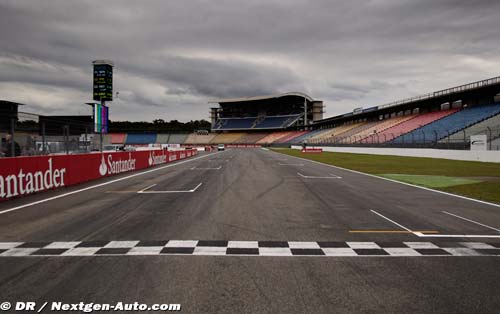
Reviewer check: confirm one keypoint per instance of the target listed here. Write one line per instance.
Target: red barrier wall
(243, 145)
(21, 176)
(312, 150)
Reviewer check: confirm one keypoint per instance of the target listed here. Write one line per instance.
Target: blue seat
(277, 122)
(234, 123)
(140, 138)
(450, 124)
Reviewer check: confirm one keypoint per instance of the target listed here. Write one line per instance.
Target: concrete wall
(485, 156)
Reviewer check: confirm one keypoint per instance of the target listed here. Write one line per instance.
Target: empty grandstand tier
(274, 112)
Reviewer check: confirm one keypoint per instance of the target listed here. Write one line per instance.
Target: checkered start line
(248, 248)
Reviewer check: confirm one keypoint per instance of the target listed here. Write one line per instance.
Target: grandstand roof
(254, 98)
(476, 92)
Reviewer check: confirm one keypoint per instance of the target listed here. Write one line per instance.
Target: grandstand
(488, 124)
(227, 138)
(271, 138)
(177, 138)
(118, 138)
(162, 138)
(329, 135)
(290, 137)
(137, 139)
(273, 112)
(412, 124)
(199, 138)
(450, 124)
(371, 135)
(251, 138)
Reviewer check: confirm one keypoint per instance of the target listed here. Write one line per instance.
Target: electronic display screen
(103, 82)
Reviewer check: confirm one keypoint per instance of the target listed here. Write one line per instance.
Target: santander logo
(156, 160)
(111, 166)
(29, 182)
(102, 168)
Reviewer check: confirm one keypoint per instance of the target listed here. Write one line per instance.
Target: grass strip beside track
(480, 180)
(430, 181)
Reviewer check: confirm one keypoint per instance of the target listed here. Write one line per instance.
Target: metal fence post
(66, 138)
(43, 138)
(465, 139)
(12, 138)
(488, 137)
(448, 136)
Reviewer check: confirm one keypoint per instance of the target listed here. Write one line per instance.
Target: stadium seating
(134, 138)
(234, 123)
(449, 124)
(226, 138)
(290, 137)
(329, 135)
(118, 138)
(195, 138)
(273, 137)
(412, 124)
(162, 138)
(374, 134)
(276, 122)
(479, 128)
(179, 138)
(304, 137)
(350, 135)
(251, 138)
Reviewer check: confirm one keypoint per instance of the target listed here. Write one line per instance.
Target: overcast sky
(171, 57)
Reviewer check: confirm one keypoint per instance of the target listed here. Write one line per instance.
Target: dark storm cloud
(172, 56)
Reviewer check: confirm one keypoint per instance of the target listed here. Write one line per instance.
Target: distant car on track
(221, 147)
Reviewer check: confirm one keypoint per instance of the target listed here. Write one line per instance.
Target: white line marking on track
(332, 176)
(103, 184)
(146, 188)
(218, 168)
(395, 181)
(422, 235)
(281, 164)
(472, 221)
(166, 192)
(399, 225)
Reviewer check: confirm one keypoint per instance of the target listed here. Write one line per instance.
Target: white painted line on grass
(472, 221)
(395, 181)
(103, 184)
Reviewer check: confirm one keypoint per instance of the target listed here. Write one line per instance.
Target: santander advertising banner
(22, 176)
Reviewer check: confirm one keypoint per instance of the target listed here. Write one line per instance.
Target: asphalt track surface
(256, 195)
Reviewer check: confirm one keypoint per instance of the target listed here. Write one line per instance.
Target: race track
(253, 231)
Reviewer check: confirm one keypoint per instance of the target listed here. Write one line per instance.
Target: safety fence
(441, 139)
(33, 135)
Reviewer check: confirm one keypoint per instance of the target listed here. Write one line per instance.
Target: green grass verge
(429, 181)
(488, 191)
(487, 187)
